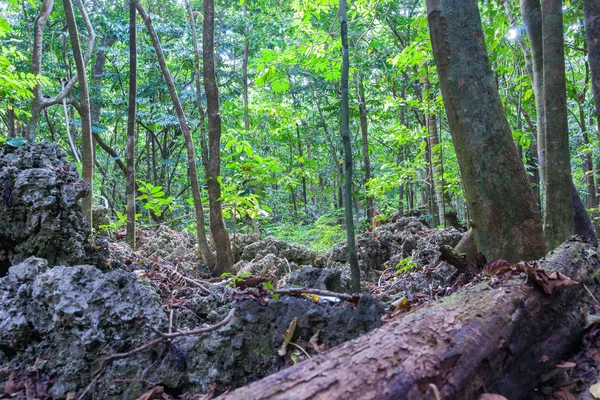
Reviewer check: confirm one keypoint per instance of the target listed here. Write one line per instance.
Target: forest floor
(402, 288)
(401, 267)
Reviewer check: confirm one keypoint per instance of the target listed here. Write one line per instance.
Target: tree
(186, 130)
(130, 179)
(533, 19)
(592, 30)
(504, 214)
(364, 130)
(444, 207)
(39, 102)
(207, 253)
(218, 229)
(558, 221)
(352, 257)
(87, 155)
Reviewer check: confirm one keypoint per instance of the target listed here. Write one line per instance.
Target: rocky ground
(105, 321)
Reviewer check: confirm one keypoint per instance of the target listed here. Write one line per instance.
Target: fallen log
(491, 338)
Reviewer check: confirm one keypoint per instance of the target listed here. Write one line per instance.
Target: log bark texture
(494, 339)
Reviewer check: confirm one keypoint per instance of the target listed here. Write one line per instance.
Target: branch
(88, 54)
(163, 338)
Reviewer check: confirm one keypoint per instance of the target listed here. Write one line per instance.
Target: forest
(302, 199)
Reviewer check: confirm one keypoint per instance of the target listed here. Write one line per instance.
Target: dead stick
(318, 292)
(164, 337)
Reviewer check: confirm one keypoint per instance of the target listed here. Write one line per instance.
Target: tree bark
(301, 155)
(245, 69)
(131, 112)
(484, 339)
(213, 166)
(332, 150)
(207, 254)
(445, 211)
(592, 29)
(558, 217)
(184, 126)
(504, 214)
(532, 18)
(351, 243)
(531, 13)
(364, 130)
(87, 155)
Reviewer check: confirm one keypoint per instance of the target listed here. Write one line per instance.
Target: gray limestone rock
(40, 213)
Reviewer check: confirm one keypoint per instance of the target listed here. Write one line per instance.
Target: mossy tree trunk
(558, 217)
(207, 254)
(87, 155)
(504, 214)
(352, 257)
(131, 111)
(222, 244)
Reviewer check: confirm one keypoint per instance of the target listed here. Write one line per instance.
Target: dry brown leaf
(548, 281)
(71, 396)
(314, 344)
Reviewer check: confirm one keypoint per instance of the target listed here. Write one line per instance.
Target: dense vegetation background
(278, 66)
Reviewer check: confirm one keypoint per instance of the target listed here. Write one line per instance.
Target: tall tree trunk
(213, 165)
(558, 218)
(313, 191)
(207, 255)
(352, 257)
(531, 13)
(245, 69)
(97, 72)
(96, 90)
(493, 175)
(364, 130)
(131, 111)
(84, 109)
(11, 121)
(588, 163)
(333, 152)
(532, 18)
(444, 206)
(592, 29)
(184, 126)
(301, 155)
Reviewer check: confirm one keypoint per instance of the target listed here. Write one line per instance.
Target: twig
(591, 295)
(136, 380)
(87, 389)
(171, 321)
(318, 292)
(163, 337)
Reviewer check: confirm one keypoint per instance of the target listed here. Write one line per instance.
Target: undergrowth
(318, 236)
